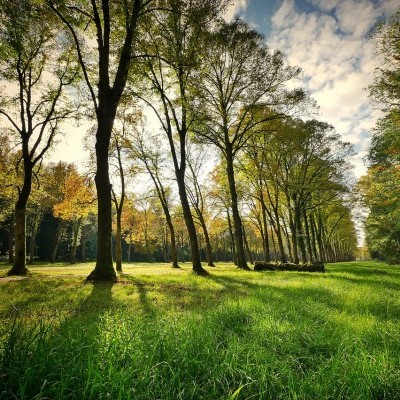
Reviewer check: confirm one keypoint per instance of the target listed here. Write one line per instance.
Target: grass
(161, 333)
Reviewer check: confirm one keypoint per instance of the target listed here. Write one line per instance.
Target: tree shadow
(99, 300)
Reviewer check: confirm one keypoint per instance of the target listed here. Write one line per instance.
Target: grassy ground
(166, 334)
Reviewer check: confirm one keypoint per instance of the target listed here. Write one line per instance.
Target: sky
(329, 40)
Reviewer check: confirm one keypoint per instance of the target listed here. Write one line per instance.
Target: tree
(150, 154)
(239, 74)
(121, 142)
(116, 27)
(33, 105)
(379, 189)
(295, 171)
(379, 192)
(196, 160)
(220, 197)
(172, 48)
(385, 90)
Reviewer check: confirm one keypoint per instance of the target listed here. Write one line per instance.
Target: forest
(203, 144)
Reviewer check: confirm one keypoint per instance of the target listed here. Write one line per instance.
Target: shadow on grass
(100, 299)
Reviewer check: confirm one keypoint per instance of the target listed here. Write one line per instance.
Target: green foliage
(380, 191)
(168, 334)
(386, 87)
(379, 188)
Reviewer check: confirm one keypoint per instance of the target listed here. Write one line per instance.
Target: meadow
(163, 333)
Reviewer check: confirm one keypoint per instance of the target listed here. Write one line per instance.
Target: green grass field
(166, 334)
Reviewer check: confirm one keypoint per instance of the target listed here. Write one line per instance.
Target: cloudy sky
(328, 39)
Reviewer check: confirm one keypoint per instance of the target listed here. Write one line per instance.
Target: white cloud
(331, 47)
(234, 9)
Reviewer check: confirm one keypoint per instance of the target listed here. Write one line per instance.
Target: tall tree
(196, 159)
(37, 71)
(173, 55)
(152, 157)
(379, 188)
(385, 89)
(121, 142)
(115, 25)
(239, 73)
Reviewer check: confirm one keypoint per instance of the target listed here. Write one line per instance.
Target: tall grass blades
(233, 335)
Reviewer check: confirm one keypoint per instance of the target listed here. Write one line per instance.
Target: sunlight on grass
(169, 334)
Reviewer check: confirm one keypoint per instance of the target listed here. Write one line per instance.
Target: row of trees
(61, 223)
(207, 82)
(379, 189)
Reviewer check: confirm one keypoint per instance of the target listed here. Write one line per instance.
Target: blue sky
(328, 39)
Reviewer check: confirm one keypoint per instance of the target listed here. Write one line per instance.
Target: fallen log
(316, 266)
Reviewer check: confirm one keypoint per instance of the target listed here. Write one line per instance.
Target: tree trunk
(19, 266)
(168, 218)
(288, 240)
(232, 237)
(267, 252)
(104, 270)
(318, 234)
(295, 249)
(313, 238)
(278, 232)
(308, 237)
(246, 243)
(118, 240)
(191, 228)
(237, 221)
(300, 234)
(174, 252)
(207, 239)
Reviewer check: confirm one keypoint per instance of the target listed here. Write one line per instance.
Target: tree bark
(191, 228)
(246, 243)
(314, 238)
(19, 266)
(174, 252)
(104, 269)
(308, 237)
(206, 238)
(234, 257)
(300, 233)
(237, 221)
(295, 248)
(267, 252)
(118, 242)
